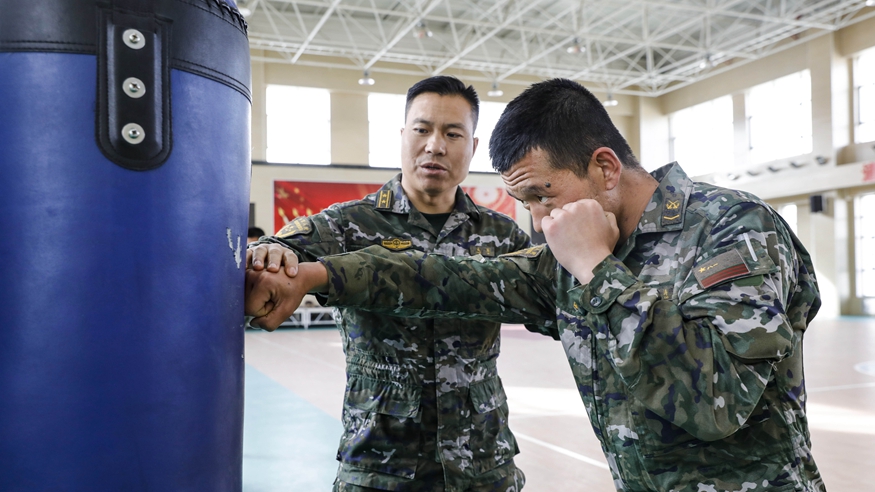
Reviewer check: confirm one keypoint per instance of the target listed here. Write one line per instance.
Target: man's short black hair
(445, 86)
(255, 232)
(563, 119)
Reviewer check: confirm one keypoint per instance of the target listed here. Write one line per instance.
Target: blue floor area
(288, 444)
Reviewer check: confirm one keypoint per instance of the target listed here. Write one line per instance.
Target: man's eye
(542, 199)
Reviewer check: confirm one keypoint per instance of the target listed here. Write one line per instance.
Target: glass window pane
(489, 114)
(865, 131)
(702, 137)
(790, 213)
(868, 278)
(385, 121)
(779, 112)
(866, 216)
(298, 125)
(865, 245)
(864, 83)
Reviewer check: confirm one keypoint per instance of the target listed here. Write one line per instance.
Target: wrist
(314, 276)
(583, 271)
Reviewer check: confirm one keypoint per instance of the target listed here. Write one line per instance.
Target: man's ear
(606, 166)
(476, 141)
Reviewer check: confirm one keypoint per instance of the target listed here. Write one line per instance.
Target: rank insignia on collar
(301, 225)
(384, 199)
(396, 244)
(722, 267)
(671, 210)
(528, 252)
(485, 251)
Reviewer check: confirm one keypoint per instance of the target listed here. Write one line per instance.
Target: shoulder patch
(384, 199)
(301, 225)
(722, 267)
(396, 244)
(484, 251)
(671, 209)
(527, 253)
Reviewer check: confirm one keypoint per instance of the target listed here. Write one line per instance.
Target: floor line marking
(842, 387)
(562, 450)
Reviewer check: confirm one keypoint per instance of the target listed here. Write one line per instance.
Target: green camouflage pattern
(686, 346)
(418, 391)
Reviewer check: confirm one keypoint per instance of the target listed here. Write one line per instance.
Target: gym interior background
(776, 98)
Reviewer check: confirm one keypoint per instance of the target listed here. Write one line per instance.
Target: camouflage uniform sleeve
(313, 236)
(413, 284)
(701, 359)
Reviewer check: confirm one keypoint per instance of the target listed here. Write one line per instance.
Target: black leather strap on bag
(137, 43)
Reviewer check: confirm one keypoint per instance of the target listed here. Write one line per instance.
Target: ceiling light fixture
(870, 3)
(610, 101)
(421, 31)
(366, 79)
(495, 91)
(575, 47)
(244, 11)
(706, 62)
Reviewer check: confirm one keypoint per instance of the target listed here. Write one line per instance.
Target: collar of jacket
(391, 198)
(665, 212)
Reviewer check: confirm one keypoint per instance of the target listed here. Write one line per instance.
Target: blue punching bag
(124, 190)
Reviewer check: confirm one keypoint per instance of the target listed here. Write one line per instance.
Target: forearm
(412, 284)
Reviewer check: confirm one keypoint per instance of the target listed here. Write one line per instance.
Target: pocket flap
(487, 395)
(386, 397)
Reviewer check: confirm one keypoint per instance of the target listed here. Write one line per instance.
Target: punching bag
(124, 191)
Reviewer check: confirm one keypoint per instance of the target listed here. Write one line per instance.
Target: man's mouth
(433, 166)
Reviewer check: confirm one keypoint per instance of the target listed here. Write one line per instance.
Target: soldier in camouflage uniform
(681, 305)
(424, 408)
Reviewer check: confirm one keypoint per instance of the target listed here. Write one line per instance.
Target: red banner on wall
(869, 172)
(294, 199)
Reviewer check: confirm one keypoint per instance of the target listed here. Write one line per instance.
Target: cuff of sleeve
(339, 284)
(611, 279)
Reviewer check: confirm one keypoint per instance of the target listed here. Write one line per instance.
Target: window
(385, 121)
(790, 213)
(779, 118)
(865, 245)
(298, 125)
(864, 91)
(701, 138)
(488, 118)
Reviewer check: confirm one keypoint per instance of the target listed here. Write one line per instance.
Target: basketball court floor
(295, 383)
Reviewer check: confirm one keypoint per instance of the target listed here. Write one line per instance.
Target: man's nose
(536, 221)
(436, 144)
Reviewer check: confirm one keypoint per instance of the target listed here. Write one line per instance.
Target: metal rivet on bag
(595, 301)
(134, 39)
(133, 133)
(134, 87)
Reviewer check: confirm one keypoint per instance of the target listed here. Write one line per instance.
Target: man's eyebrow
(422, 120)
(528, 191)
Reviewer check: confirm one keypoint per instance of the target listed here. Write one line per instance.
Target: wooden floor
(296, 379)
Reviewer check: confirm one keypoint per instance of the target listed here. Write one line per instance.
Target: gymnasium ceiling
(642, 47)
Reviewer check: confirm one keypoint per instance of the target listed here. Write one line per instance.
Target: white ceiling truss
(642, 47)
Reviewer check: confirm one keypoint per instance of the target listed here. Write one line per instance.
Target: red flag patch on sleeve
(722, 267)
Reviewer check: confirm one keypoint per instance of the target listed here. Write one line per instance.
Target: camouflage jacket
(416, 389)
(686, 346)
